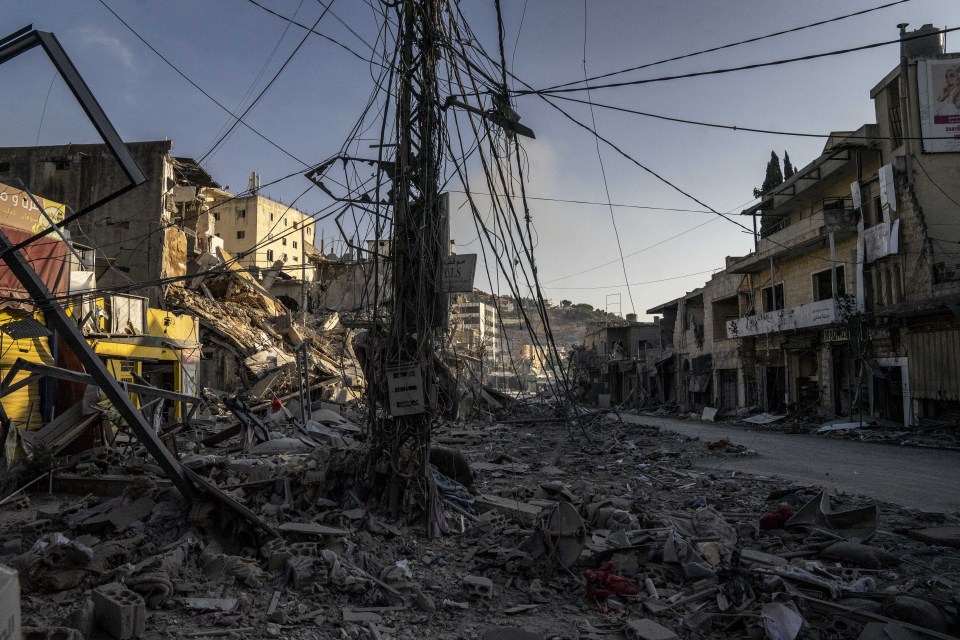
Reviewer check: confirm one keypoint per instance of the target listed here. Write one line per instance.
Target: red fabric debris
(604, 582)
(276, 405)
(777, 519)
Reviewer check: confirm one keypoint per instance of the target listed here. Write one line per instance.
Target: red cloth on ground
(777, 519)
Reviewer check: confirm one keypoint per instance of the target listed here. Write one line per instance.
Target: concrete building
(145, 235)
(702, 366)
(848, 305)
(615, 364)
(473, 326)
(260, 231)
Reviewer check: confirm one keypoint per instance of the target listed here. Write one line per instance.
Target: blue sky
(223, 45)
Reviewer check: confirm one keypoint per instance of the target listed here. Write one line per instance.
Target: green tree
(565, 303)
(788, 169)
(773, 179)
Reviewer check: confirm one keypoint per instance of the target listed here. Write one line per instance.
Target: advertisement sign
(938, 87)
(18, 211)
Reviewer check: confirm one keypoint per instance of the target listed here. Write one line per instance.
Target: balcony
(806, 316)
(835, 214)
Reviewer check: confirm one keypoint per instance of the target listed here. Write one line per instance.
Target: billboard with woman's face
(938, 85)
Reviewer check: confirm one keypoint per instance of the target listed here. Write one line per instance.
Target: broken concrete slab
(516, 510)
(646, 629)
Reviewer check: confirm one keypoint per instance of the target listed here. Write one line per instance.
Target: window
(309, 231)
(283, 242)
(4, 166)
(216, 215)
(823, 284)
(217, 234)
(270, 255)
(283, 257)
(241, 235)
(296, 259)
(271, 217)
(773, 298)
(294, 244)
(285, 223)
(62, 165)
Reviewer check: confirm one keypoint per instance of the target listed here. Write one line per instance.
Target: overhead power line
(199, 88)
(263, 92)
(637, 284)
(733, 127)
(731, 45)
(745, 67)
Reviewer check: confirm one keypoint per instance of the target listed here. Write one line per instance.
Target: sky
(670, 242)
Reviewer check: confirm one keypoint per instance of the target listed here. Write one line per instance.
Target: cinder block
(119, 611)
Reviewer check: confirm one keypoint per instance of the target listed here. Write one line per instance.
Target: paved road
(926, 479)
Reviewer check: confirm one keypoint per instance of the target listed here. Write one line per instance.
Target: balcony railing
(814, 314)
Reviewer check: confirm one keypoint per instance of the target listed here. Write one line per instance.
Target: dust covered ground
(664, 548)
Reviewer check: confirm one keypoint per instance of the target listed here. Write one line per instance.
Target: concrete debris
(616, 537)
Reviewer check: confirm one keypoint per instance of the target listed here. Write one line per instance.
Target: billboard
(938, 88)
(18, 211)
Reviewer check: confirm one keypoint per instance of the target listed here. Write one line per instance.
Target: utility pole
(401, 441)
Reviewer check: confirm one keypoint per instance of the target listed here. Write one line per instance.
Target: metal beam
(58, 320)
(12, 46)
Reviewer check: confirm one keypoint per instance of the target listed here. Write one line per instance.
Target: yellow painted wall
(17, 405)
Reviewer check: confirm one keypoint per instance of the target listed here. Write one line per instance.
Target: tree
(565, 303)
(788, 169)
(773, 179)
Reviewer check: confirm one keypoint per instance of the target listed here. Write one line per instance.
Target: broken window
(823, 284)
(241, 235)
(241, 214)
(773, 298)
(283, 242)
(216, 215)
(270, 255)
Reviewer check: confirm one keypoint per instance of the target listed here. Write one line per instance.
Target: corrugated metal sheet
(19, 403)
(934, 361)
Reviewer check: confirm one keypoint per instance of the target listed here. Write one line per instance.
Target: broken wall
(127, 229)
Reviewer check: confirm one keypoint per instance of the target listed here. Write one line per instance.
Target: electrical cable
(603, 171)
(745, 67)
(263, 92)
(733, 44)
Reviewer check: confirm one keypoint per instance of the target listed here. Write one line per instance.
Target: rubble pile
(251, 338)
(554, 532)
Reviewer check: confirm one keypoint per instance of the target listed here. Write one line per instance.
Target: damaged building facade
(848, 305)
(143, 236)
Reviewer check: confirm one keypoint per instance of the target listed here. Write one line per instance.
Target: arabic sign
(18, 211)
(458, 273)
(814, 314)
(938, 89)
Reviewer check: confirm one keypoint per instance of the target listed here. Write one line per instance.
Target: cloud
(108, 44)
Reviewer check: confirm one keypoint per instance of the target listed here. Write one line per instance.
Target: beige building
(259, 231)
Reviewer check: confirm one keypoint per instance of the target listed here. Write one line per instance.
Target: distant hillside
(569, 324)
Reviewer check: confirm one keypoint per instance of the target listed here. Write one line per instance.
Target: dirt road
(926, 479)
